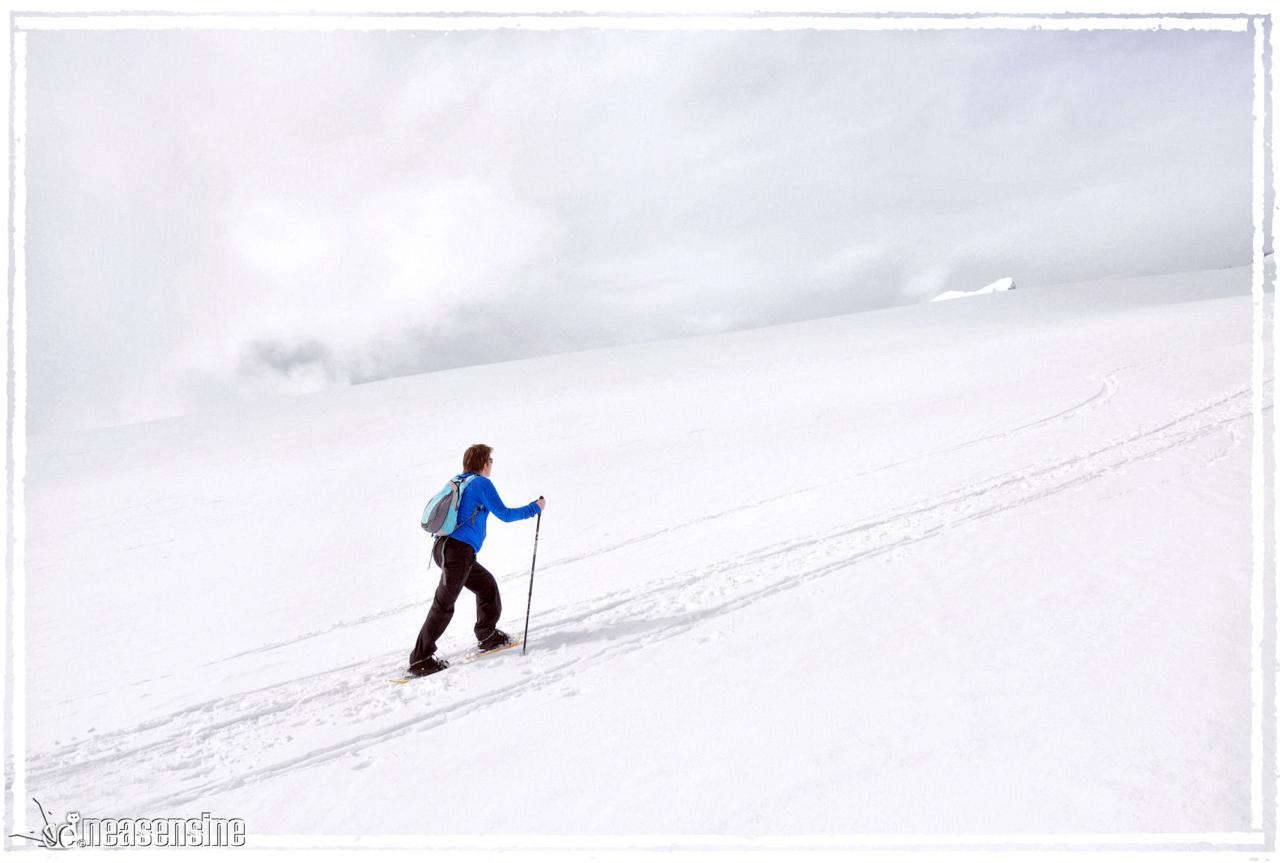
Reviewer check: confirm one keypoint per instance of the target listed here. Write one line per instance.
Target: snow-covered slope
(977, 567)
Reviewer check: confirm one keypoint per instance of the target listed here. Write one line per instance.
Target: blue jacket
(480, 498)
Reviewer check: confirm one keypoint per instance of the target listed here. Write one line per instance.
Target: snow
(998, 286)
(977, 568)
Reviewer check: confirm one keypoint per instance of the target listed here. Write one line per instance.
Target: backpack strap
(471, 519)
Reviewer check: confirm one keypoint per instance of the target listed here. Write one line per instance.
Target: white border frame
(15, 338)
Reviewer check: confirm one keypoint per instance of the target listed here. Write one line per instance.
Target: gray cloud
(216, 216)
(304, 359)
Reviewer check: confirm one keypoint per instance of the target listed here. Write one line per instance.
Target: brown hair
(476, 457)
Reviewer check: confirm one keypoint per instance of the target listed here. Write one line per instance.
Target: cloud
(291, 368)
(353, 291)
(216, 216)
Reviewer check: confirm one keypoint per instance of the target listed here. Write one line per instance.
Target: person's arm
(495, 505)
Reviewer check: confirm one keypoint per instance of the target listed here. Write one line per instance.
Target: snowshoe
(494, 641)
(427, 666)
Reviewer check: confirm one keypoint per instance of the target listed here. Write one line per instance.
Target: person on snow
(456, 556)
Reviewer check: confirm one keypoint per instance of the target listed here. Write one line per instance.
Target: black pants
(457, 560)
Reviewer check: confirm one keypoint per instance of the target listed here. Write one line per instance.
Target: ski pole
(524, 645)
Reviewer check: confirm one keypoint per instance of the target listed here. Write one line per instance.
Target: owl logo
(53, 836)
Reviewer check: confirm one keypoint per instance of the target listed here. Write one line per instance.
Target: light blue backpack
(440, 518)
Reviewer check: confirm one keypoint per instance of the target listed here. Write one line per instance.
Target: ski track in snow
(247, 737)
(1109, 384)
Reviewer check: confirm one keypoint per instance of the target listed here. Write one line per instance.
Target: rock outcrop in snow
(1005, 284)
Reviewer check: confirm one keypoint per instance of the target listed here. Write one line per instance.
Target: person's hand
(541, 502)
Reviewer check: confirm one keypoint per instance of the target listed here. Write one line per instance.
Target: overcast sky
(221, 215)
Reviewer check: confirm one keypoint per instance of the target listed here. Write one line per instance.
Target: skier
(456, 556)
